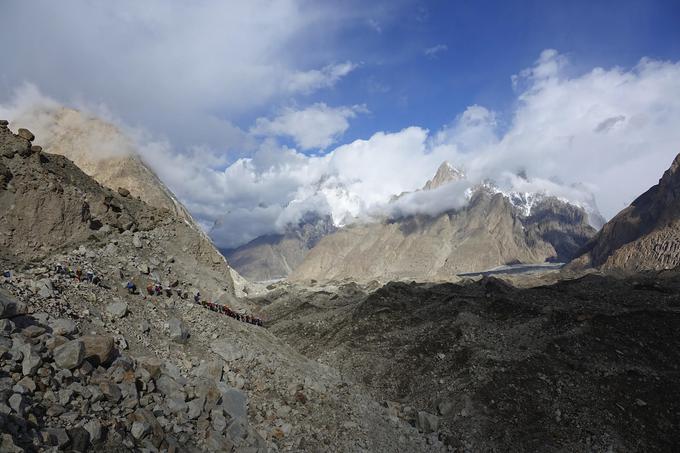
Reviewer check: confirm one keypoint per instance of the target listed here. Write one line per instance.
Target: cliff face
(645, 235)
(489, 231)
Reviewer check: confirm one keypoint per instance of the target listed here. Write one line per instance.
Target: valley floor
(588, 364)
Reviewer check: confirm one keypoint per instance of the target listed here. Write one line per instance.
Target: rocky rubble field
(587, 364)
(178, 376)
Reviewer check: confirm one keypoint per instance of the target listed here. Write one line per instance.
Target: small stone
(123, 192)
(69, 355)
(640, 403)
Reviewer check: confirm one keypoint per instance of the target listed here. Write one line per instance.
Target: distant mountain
(645, 235)
(446, 173)
(492, 229)
(275, 256)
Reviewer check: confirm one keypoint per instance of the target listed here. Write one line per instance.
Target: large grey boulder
(151, 364)
(228, 351)
(69, 355)
(427, 422)
(10, 307)
(31, 361)
(117, 309)
(63, 327)
(169, 387)
(177, 331)
(98, 348)
(234, 402)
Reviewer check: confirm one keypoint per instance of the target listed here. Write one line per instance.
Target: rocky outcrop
(644, 236)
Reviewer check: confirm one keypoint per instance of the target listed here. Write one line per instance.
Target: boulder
(427, 422)
(228, 351)
(26, 134)
(140, 429)
(5, 176)
(169, 387)
(98, 348)
(137, 241)
(80, 439)
(69, 355)
(94, 428)
(111, 391)
(63, 327)
(151, 364)
(177, 331)
(123, 192)
(31, 361)
(10, 307)
(17, 403)
(234, 402)
(117, 309)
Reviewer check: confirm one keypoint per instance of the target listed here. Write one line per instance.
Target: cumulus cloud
(317, 126)
(184, 70)
(609, 131)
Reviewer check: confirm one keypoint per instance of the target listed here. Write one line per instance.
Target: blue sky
(255, 111)
(486, 42)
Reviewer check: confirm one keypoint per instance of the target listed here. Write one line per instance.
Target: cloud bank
(611, 130)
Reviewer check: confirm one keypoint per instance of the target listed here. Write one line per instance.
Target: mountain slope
(275, 256)
(645, 235)
(103, 152)
(493, 228)
(48, 206)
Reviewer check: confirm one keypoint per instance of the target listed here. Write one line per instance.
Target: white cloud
(614, 130)
(184, 70)
(312, 80)
(433, 51)
(317, 126)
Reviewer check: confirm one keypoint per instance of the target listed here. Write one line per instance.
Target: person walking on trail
(79, 274)
(89, 276)
(149, 289)
(131, 287)
(7, 275)
(197, 296)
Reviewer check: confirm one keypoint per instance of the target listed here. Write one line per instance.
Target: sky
(255, 112)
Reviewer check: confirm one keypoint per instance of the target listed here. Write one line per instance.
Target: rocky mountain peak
(446, 173)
